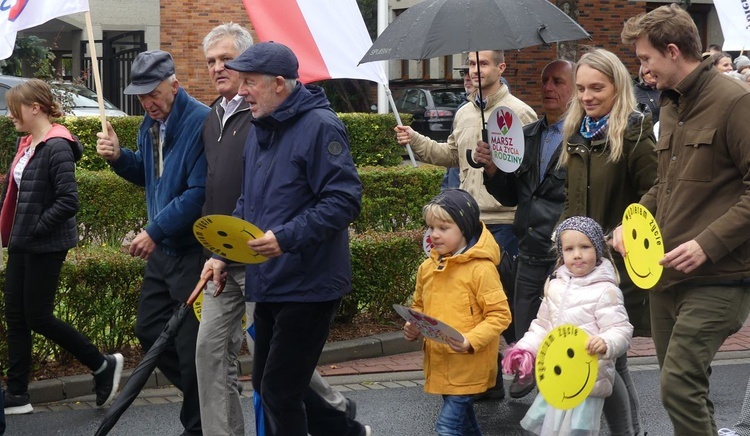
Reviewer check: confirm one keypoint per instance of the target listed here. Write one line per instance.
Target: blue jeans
(457, 417)
(504, 237)
(451, 179)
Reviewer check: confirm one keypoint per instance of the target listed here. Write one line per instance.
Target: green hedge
(83, 127)
(110, 208)
(384, 267)
(98, 295)
(373, 141)
(392, 198)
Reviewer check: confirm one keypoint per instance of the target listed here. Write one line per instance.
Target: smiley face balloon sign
(227, 236)
(565, 372)
(644, 246)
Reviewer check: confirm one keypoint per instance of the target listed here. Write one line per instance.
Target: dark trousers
(289, 338)
(503, 234)
(689, 323)
(31, 282)
(530, 278)
(168, 282)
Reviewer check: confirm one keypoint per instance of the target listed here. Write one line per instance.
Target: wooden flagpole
(95, 67)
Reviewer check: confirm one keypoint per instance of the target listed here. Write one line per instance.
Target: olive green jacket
(703, 189)
(602, 190)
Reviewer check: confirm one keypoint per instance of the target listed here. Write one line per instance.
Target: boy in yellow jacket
(460, 286)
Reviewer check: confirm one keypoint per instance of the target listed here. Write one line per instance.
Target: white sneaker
(727, 432)
(368, 430)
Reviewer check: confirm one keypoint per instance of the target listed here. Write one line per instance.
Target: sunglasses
(462, 73)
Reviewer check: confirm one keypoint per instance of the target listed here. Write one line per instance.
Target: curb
(380, 345)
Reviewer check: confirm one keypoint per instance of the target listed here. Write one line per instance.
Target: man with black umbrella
(467, 131)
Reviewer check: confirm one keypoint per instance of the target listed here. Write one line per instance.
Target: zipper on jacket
(223, 125)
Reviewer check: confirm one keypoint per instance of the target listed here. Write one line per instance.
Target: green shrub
(98, 296)
(110, 207)
(384, 267)
(373, 141)
(85, 128)
(393, 197)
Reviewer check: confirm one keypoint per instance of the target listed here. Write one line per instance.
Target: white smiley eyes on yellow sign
(565, 372)
(643, 245)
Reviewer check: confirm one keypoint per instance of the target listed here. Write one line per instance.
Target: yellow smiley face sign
(565, 371)
(227, 236)
(644, 246)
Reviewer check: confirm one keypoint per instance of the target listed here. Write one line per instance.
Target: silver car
(83, 100)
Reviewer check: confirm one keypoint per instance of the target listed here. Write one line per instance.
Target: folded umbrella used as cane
(141, 373)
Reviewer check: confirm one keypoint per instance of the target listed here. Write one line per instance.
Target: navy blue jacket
(174, 200)
(300, 182)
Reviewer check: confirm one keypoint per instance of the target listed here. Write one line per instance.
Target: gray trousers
(219, 343)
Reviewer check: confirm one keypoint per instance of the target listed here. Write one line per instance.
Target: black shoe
(496, 392)
(351, 409)
(519, 389)
(107, 381)
(17, 404)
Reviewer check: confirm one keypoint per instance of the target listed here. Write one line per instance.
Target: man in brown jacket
(701, 202)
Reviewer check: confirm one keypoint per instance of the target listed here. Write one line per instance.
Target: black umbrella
(144, 369)
(444, 27)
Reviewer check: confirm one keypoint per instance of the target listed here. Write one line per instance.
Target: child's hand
(596, 345)
(411, 332)
(459, 346)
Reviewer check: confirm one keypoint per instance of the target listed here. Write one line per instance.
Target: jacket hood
(302, 99)
(484, 248)
(60, 131)
(640, 125)
(604, 272)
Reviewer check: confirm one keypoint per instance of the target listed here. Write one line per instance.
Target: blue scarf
(594, 130)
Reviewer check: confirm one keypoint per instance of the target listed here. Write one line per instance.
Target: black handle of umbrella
(470, 158)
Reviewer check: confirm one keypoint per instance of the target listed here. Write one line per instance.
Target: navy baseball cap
(150, 68)
(267, 58)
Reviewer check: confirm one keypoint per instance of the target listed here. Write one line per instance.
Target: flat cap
(267, 58)
(149, 69)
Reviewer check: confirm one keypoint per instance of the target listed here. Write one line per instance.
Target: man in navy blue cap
(170, 163)
(300, 185)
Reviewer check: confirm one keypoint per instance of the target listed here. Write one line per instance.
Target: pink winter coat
(593, 303)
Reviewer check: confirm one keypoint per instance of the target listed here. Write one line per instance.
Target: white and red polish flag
(17, 15)
(329, 37)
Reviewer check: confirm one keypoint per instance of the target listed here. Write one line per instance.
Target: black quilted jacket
(46, 201)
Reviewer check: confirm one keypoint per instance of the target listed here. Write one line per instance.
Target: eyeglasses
(462, 73)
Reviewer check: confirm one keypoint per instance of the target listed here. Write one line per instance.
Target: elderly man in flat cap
(299, 186)
(170, 163)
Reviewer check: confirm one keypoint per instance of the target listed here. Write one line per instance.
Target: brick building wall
(603, 19)
(184, 23)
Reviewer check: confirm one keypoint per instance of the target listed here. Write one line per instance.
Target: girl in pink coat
(584, 293)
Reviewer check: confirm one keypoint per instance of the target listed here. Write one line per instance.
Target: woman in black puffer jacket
(37, 224)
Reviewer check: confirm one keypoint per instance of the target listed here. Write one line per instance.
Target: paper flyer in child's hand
(644, 247)
(565, 372)
(431, 328)
(227, 236)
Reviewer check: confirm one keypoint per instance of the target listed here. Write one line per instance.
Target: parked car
(83, 100)
(433, 108)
